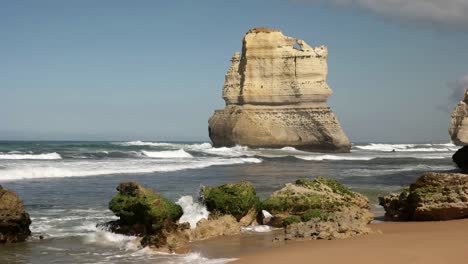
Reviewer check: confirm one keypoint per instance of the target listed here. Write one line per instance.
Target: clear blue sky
(154, 70)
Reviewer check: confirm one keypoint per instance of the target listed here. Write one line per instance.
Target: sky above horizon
(154, 70)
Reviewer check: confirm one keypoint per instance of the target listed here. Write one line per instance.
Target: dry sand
(399, 243)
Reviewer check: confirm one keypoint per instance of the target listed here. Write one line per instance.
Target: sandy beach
(408, 242)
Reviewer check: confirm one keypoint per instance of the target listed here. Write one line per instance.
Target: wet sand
(415, 243)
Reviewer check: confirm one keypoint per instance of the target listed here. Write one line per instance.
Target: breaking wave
(142, 143)
(167, 154)
(105, 167)
(44, 156)
(193, 211)
(408, 147)
(333, 157)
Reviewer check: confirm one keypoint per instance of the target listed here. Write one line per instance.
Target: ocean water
(66, 187)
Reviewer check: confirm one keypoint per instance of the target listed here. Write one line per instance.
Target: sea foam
(44, 156)
(167, 154)
(81, 168)
(408, 147)
(193, 211)
(332, 157)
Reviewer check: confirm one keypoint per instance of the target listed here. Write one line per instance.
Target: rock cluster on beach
(14, 221)
(318, 209)
(433, 197)
(276, 96)
(459, 123)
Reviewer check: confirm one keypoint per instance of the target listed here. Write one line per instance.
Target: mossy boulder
(14, 220)
(433, 197)
(136, 205)
(321, 194)
(236, 199)
(307, 204)
(146, 213)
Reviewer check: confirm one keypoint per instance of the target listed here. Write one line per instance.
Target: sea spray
(167, 154)
(103, 237)
(193, 211)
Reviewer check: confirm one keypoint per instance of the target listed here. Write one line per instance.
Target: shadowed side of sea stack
(276, 96)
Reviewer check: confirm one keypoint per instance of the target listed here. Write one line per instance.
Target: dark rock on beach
(461, 159)
(14, 221)
(433, 197)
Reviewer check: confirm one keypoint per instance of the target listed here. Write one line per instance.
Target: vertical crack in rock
(276, 95)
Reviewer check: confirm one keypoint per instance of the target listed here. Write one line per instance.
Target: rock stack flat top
(276, 95)
(459, 123)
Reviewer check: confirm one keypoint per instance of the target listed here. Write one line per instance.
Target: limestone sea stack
(459, 123)
(276, 96)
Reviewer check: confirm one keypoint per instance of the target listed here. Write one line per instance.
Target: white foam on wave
(198, 258)
(257, 229)
(102, 237)
(44, 156)
(289, 149)
(58, 223)
(198, 147)
(143, 143)
(378, 171)
(449, 147)
(237, 151)
(168, 154)
(193, 211)
(81, 168)
(333, 157)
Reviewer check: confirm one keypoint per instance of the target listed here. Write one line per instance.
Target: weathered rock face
(276, 96)
(14, 221)
(433, 197)
(459, 123)
(319, 209)
(217, 226)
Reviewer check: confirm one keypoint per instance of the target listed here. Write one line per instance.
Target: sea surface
(66, 187)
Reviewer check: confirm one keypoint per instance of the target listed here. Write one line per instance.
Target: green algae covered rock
(235, 199)
(150, 216)
(320, 194)
(141, 210)
(432, 197)
(318, 209)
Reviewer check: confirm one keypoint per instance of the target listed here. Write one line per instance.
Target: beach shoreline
(391, 242)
